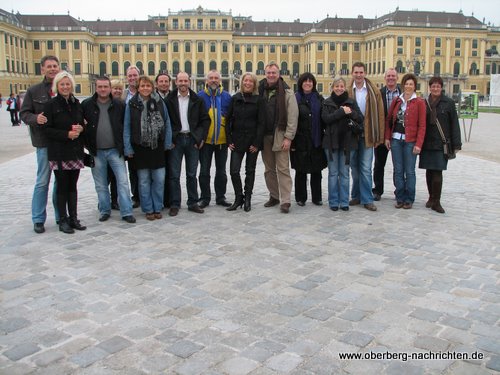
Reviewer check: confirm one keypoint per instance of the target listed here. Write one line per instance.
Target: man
(190, 122)
(132, 73)
(370, 103)
(104, 138)
(32, 115)
(389, 92)
(281, 125)
(162, 81)
(217, 104)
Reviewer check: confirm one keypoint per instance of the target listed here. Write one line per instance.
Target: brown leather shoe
(173, 211)
(150, 216)
(399, 205)
(370, 207)
(285, 208)
(272, 202)
(157, 215)
(407, 206)
(354, 202)
(196, 208)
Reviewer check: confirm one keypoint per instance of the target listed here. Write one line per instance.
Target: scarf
(152, 122)
(277, 89)
(372, 103)
(313, 103)
(433, 102)
(340, 99)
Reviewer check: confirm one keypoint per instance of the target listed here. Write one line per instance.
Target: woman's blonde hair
(254, 79)
(338, 79)
(117, 83)
(59, 76)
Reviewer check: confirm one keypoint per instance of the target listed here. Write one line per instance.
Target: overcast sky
(289, 10)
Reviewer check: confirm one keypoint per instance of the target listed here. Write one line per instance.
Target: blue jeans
(220, 182)
(338, 179)
(151, 184)
(404, 162)
(41, 190)
(184, 146)
(361, 169)
(100, 174)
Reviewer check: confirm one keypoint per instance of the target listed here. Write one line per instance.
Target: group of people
(154, 128)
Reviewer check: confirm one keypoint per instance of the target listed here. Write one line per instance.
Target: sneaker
(104, 217)
(39, 228)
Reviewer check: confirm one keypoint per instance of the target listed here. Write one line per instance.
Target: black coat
(337, 134)
(448, 118)
(61, 115)
(246, 122)
(198, 118)
(304, 157)
(116, 112)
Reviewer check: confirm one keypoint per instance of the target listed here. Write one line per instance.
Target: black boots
(428, 180)
(434, 181)
(64, 225)
(248, 202)
(238, 202)
(72, 205)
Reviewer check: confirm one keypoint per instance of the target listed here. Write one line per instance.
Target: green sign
(468, 105)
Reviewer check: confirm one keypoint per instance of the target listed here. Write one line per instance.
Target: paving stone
(426, 314)
(114, 344)
(88, 356)
(20, 351)
(284, 362)
(356, 338)
(353, 315)
(184, 348)
(494, 363)
(488, 344)
(456, 322)
(431, 343)
(13, 324)
(319, 314)
(46, 358)
(238, 366)
(12, 284)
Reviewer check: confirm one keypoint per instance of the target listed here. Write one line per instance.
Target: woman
(340, 141)
(404, 136)
(13, 108)
(245, 131)
(117, 88)
(147, 134)
(439, 108)
(306, 153)
(65, 149)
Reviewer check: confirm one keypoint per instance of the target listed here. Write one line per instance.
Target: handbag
(88, 160)
(355, 127)
(449, 152)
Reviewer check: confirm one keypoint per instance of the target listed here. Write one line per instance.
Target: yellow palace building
(459, 48)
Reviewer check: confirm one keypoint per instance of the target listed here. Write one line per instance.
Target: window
(237, 48)
(175, 68)
(126, 64)
(320, 87)
(474, 53)
(418, 41)
(438, 43)
(237, 67)
(64, 65)
(320, 46)
(212, 47)
(474, 43)
(162, 25)
(187, 47)
(272, 48)
(332, 68)
(261, 48)
(187, 67)
(199, 24)
(457, 43)
(332, 46)
(63, 44)
(224, 47)
(473, 87)
(260, 68)
(163, 66)
(456, 69)
(76, 44)
(114, 48)
(296, 48)
(212, 24)
(284, 68)
(224, 24)
(473, 69)
(417, 51)
(102, 68)
(78, 68)
(200, 47)
(437, 68)
(399, 67)
(187, 23)
(151, 48)
(163, 48)
(457, 52)
(175, 47)
(356, 47)
(284, 48)
(50, 44)
(139, 66)
(248, 66)
(319, 68)
(138, 48)
(399, 51)
(8, 65)
(249, 48)
(400, 41)
(295, 69)
(175, 24)
(102, 48)
(344, 46)
(36, 44)
(212, 65)
(78, 88)
(200, 68)
(114, 68)
(151, 68)
(488, 69)
(437, 52)
(224, 68)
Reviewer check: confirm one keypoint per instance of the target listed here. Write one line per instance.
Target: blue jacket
(217, 106)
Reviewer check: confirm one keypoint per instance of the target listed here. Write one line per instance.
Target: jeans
(116, 162)
(41, 190)
(338, 178)
(220, 182)
(361, 167)
(151, 183)
(404, 162)
(184, 146)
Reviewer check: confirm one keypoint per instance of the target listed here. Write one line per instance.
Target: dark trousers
(112, 185)
(206, 154)
(166, 189)
(381, 153)
(235, 167)
(301, 186)
(14, 118)
(134, 183)
(66, 189)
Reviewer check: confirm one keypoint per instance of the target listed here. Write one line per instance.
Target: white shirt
(361, 96)
(183, 111)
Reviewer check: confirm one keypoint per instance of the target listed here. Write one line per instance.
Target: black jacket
(198, 118)
(32, 105)
(304, 157)
(116, 113)
(337, 134)
(246, 122)
(448, 118)
(61, 115)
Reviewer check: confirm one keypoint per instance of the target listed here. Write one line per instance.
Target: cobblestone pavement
(254, 293)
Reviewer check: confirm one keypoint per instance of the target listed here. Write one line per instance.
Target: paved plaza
(255, 293)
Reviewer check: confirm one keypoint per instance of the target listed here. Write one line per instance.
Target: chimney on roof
(360, 17)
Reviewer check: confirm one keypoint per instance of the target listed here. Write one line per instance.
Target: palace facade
(459, 48)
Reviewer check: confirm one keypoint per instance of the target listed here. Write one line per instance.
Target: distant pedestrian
(13, 108)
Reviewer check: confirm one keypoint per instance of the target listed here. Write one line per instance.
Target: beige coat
(292, 120)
